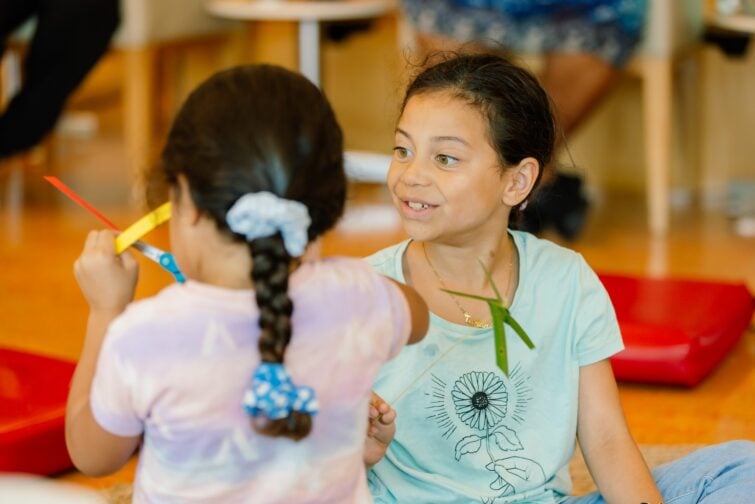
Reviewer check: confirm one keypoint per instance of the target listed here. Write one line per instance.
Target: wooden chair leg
(138, 113)
(657, 105)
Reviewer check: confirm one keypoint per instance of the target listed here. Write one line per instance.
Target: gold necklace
(468, 319)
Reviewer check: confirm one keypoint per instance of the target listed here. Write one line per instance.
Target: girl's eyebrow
(437, 138)
(404, 133)
(450, 139)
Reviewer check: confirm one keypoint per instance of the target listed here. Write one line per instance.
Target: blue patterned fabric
(274, 395)
(629, 13)
(608, 29)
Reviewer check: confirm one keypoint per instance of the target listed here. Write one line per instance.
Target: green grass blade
(471, 296)
(518, 329)
(499, 332)
(490, 281)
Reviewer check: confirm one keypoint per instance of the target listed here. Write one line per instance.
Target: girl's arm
(419, 312)
(107, 280)
(382, 417)
(612, 456)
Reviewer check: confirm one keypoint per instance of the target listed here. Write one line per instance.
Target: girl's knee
(739, 450)
(723, 457)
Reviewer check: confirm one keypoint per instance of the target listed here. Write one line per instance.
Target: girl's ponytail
(275, 229)
(270, 271)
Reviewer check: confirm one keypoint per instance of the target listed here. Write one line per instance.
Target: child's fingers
(375, 399)
(99, 241)
(106, 279)
(379, 404)
(384, 408)
(90, 241)
(387, 418)
(90, 245)
(106, 241)
(129, 262)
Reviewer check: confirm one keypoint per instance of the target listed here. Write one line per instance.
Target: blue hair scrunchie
(274, 395)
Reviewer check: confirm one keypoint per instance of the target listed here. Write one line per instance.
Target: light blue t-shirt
(467, 433)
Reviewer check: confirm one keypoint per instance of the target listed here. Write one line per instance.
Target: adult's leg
(71, 35)
(576, 83)
(13, 13)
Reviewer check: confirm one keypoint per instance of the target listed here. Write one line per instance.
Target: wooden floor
(42, 310)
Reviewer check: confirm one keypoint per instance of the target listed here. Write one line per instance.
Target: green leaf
(500, 315)
(471, 296)
(499, 332)
(515, 325)
(490, 281)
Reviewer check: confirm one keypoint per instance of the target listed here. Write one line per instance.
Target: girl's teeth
(417, 206)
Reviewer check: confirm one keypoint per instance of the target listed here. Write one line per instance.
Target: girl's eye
(446, 160)
(401, 152)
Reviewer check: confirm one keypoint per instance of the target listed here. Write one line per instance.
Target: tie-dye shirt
(174, 368)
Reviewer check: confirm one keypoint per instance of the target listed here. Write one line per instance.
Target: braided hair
(261, 128)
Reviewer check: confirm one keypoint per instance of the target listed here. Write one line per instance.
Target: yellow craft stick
(141, 227)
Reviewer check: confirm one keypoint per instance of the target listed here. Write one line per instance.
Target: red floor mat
(33, 391)
(676, 331)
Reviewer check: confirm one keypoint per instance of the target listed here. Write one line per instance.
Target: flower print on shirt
(480, 399)
(482, 403)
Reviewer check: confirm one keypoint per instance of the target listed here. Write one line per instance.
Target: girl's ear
(519, 181)
(183, 206)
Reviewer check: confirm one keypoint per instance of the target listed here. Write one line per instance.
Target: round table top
(299, 10)
(742, 23)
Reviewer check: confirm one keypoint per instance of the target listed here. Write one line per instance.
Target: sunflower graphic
(481, 399)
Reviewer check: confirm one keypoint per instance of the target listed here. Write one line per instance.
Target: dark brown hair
(518, 111)
(261, 128)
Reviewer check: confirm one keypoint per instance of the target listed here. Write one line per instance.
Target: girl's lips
(420, 210)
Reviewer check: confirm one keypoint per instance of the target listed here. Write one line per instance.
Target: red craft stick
(78, 199)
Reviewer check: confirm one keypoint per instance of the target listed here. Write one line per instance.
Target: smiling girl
(472, 138)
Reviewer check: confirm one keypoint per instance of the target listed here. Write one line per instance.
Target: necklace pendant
(479, 324)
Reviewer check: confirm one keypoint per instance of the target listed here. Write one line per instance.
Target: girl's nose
(414, 172)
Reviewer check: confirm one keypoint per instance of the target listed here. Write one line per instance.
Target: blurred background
(678, 128)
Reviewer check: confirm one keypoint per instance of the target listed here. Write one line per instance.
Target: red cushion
(33, 391)
(675, 331)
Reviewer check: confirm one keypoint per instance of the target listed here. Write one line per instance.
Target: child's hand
(380, 430)
(106, 279)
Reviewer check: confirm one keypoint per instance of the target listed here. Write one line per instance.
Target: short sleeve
(597, 333)
(400, 318)
(381, 308)
(113, 387)
(387, 262)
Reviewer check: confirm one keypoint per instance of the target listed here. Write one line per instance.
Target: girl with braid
(251, 381)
